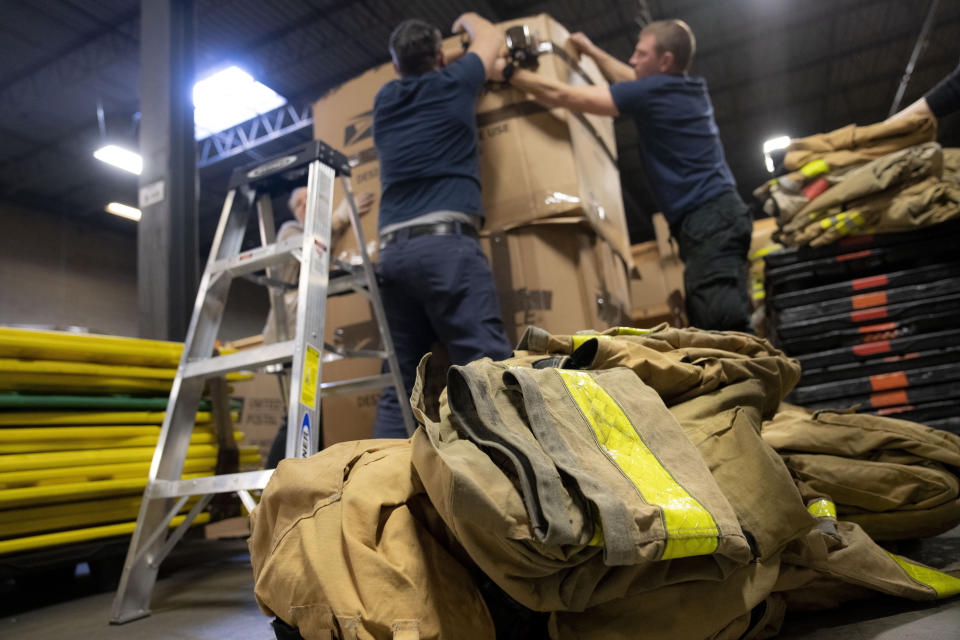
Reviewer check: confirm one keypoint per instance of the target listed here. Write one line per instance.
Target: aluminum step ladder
(166, 493)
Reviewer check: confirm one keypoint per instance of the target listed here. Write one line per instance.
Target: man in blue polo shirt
(435, 281)
(684, 159)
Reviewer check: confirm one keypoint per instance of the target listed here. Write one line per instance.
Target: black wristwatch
(508, 72)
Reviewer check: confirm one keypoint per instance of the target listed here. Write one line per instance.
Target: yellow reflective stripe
(814, 168)
(691, 530)
(823, 508)
(597, 539)
(825, 223)
(943, 583)
(632, 331)
(580, 338)
(857, 217)
(770, 248)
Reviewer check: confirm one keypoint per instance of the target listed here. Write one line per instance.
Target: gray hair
(293, 196)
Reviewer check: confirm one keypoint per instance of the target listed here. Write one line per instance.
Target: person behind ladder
(435, 281)
(683, 156)
(290, 275)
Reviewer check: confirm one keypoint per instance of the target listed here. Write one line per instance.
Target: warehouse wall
(57, 272)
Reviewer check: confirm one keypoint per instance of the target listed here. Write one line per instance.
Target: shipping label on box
(262, 410)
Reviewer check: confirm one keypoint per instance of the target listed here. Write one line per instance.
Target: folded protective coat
(923, 204)
(679, 364)
(854, 144)
(572, 488)
(718, 396)
(895, 478)
(838, 562)
(345, 544)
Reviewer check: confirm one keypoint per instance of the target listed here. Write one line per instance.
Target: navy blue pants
(436, 289)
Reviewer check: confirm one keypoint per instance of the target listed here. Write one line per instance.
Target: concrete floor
(208, 594)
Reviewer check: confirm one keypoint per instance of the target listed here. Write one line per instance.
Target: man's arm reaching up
(485, 39)
(611, 68)
(585, 99)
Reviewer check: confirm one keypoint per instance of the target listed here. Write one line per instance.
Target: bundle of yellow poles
(69, 476)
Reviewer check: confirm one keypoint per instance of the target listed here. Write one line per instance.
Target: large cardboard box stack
(535, 162)
(555, 229)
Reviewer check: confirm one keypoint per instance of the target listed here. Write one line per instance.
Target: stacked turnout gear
(617, 481)
(882, 178)
(864, 286)
(898, 192)
(896, 479)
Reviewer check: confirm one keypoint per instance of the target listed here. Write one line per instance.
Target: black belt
(435, 229)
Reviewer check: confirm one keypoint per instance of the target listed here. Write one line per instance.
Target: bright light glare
(229, 97)
(780, 142)
(120, 157)
(771, 145)
(124, 210)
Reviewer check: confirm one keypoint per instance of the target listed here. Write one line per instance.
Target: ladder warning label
(311, 370)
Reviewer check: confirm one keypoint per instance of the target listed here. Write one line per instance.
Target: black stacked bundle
(873, 321)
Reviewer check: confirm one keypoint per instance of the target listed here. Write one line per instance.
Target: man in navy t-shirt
(684, 159)
(435, 281)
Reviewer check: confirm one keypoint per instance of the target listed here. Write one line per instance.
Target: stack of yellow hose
(74, 457)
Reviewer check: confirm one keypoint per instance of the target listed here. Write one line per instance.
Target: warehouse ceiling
(774, 67)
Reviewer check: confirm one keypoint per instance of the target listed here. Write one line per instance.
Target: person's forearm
(920, 107)
(581, 99)
(486, 39)
(612, 69)
(544, 90)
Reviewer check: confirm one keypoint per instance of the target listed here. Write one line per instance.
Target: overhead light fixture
(771, 145)
(123, 210)
(120, 157)
(227, 98)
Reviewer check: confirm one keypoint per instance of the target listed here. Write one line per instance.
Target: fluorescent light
(771, 145)
(120, 157)
(780, 142)
(227, 98)
(124, 210)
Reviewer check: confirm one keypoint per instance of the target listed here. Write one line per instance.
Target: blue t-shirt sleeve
(468, 69)
(630, 97)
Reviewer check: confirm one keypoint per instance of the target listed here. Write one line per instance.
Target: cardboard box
(666, 245)
(350, 324)
(535, 162)
(349, 417)
(656, 286)
(558, 275)
(262, 411)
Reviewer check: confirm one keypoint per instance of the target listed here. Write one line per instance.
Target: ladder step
(247, 359)
(258, 259)
(357, 384)
(226, 483)
(342, 282)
